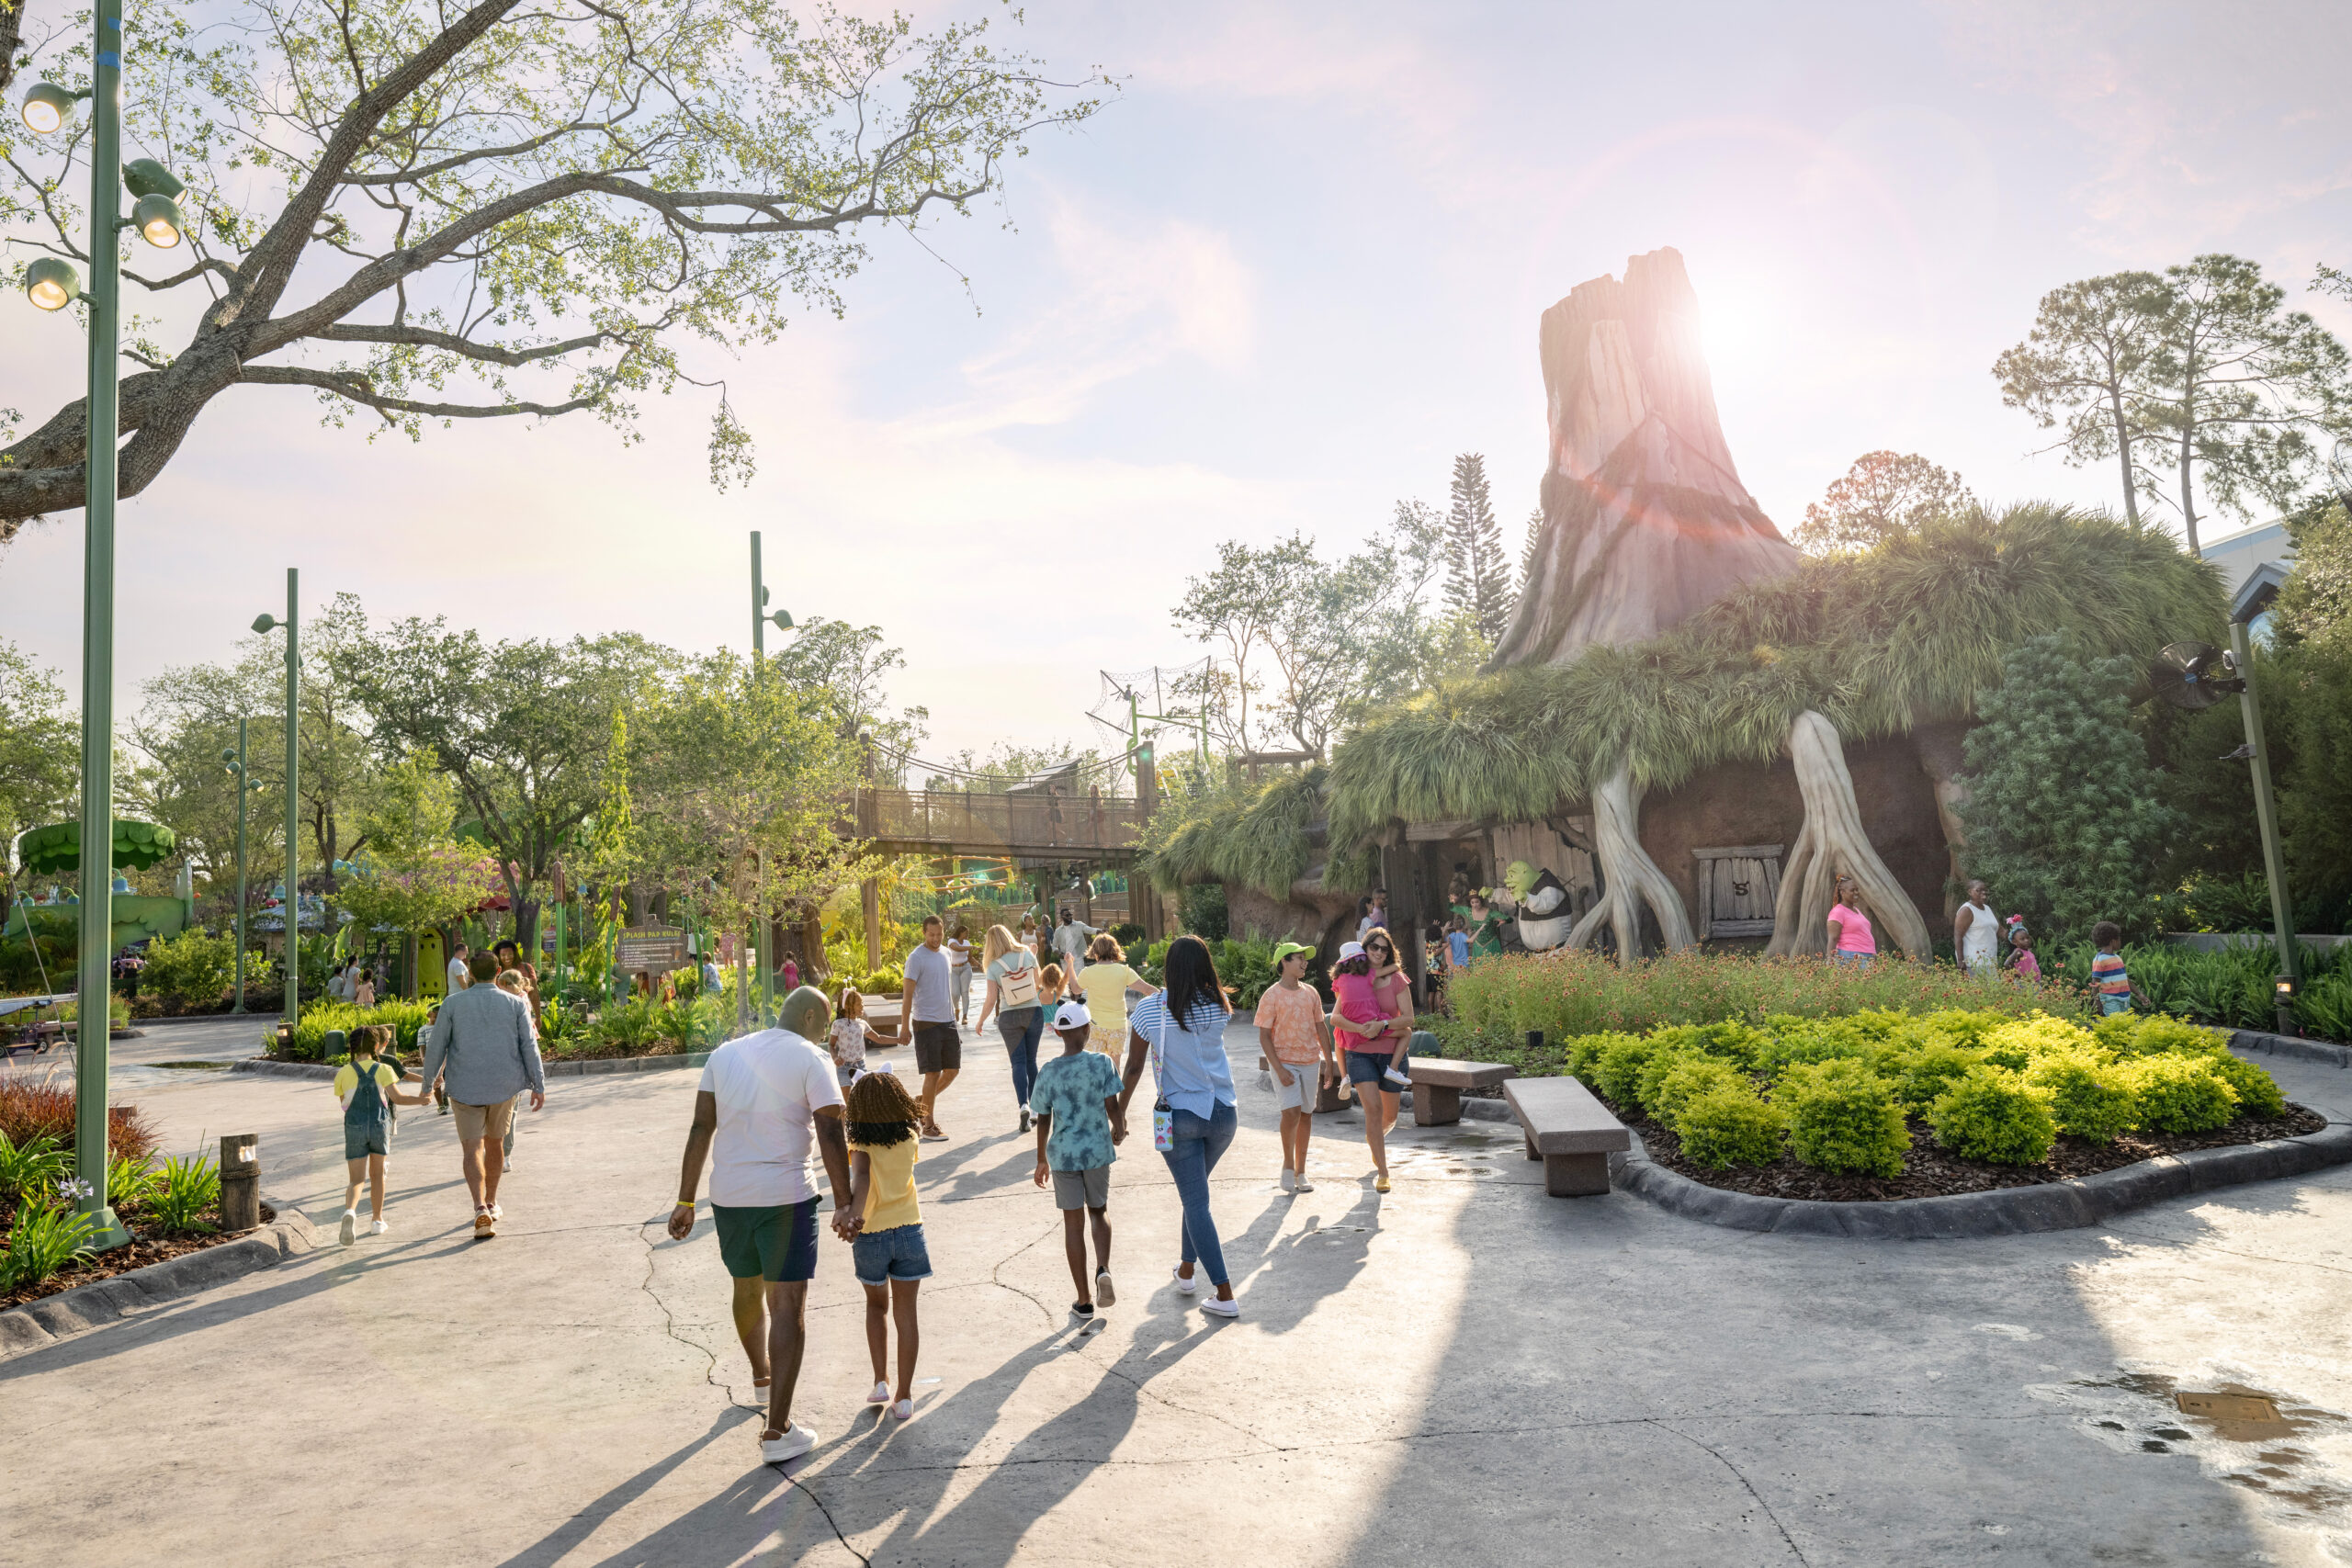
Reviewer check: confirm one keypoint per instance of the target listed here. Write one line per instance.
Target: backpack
(1018, 989)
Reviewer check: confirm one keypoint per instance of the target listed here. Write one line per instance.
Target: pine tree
(2066, 820)
(1527, 551)
(1478, 573)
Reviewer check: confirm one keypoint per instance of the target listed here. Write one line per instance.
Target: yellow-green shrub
(2014, 1045)
(1616, 1069)
(2158, 1034)
(1928, 1071)
(1730, 1124)
(1685, 1080)
(2257, 1091)
(2090, 1096)
(2180, 1093)
(1990, 1113)
(1842, 1117)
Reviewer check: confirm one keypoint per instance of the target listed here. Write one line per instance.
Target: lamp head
(782, 619)
(46, 108)
(145, 176)
(265, 623)
(51, 283)
(229, 755)
(158, 221)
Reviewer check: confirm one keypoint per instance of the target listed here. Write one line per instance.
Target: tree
(1527, 551)
(843, 666)
(2064, 816)
(1478, 573)
(543, 204)
(2079, 370)
(40, 749)
(2315, 604)
(1884, 495)
(415, 877)
(2237, 387)
(521, 727)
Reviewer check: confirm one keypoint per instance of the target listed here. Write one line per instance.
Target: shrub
(2157, 1035)
(192, 968)
(1730, 1125)
(32, 1108)
(2257, 1091)
(2182, 1094)
(34, 1166)
(1928, 1071)
(190, 1189)
(1686, 1078)
(2089, 1095)
(406, 1020)
(2015, 1045)
(1584, 1053)
(42, 1241)
(1991, 1113)
(1796, 1041)
(1842, 1117)
(1617, 1068)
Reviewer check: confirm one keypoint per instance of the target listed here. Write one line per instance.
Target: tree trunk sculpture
(1938, 746)
(1831, 841)
(1645, 523)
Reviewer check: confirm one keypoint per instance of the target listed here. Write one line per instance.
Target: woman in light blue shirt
(1180, 1031)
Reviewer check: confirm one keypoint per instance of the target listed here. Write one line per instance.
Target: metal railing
(973, 821)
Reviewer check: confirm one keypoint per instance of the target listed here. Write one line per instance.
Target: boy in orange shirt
(1296, 1039)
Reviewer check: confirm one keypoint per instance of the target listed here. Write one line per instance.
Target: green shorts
(775, 1243)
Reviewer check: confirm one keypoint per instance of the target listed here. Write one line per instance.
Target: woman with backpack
(1180, 1031)
(1013, 995)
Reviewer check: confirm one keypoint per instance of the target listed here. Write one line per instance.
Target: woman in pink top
(1851, 941)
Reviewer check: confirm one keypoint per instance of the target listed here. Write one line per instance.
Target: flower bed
(1885, 1104)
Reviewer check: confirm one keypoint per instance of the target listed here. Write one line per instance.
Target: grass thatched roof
(1881, 642)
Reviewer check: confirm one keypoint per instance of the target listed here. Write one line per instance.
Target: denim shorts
(361, 1139)
(1852, 960)
(895, 1254)
(1370, 1068)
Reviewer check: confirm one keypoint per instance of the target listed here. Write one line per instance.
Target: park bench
(1437, 1083)
(1569, 1131)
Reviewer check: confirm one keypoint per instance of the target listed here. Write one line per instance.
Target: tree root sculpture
(1629, 877)
(1831, 841)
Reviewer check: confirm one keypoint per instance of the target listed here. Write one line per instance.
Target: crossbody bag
(1163, 1115)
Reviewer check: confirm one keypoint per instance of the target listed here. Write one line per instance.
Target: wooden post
(240, 1181)
(869, 895)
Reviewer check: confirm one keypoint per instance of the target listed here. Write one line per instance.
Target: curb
(69, 1312)
(2008, 1211)
(551, 1069)
(2290, 1045)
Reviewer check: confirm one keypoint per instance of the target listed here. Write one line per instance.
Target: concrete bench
(1437, 1083)
(1569, 1131)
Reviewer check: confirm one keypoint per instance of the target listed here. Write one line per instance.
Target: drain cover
(2229, 1407)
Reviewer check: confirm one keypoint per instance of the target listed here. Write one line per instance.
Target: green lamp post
(52, 284)
(761, 620)
(235, 761)
(293, 906)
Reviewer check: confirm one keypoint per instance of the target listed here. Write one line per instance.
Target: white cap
(1073, 1015)
(1350, 950)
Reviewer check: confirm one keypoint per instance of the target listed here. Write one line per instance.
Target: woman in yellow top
(888, 1250)
(1103, 985)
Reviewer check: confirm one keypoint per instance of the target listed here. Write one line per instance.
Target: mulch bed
(146, 1246)
(1932, 1171)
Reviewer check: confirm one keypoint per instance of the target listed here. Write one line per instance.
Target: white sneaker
(904, 1410)
(498, 1211)
(1103, 1295)
(797, 1440)
(1304, 1185)
(349, 1233)
(1186, 1287)
(1289, 1179)
(881, 1394)
(1222, 1309)
(379, 1227)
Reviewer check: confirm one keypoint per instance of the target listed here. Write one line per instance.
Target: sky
(1291, 271)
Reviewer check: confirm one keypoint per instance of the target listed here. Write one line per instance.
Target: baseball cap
(1073, 1015)
(1350, 950)
(1284, 949)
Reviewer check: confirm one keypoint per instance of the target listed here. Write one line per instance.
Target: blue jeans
(1199, 1146)
(1851, 960)
(1021, 1030)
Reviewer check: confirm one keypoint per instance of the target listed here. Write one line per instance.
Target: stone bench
(1569, 1131)
(1437, 1083)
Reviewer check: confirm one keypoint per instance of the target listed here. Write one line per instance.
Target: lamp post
(52, 284)
(236, 762)
(293, 905)
(761, 620)
(2246, 606)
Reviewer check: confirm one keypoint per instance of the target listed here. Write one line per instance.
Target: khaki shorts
(1305, 1080)
(476, 1122)
(1082, 1189)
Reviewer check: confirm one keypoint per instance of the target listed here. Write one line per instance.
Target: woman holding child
(1371, 1022)
(1182, 1032)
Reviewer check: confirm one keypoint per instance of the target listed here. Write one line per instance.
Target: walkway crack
(811, 1493)
(1786, 1537)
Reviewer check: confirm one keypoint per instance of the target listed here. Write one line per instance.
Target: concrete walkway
(1462, 1372)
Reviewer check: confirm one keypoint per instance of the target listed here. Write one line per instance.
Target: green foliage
(1843, 1118)
(2182, 1094)
(1729, 1126)
(1883, 496)
(1202, 913)
(2258, 1092)
(406, 1020)
(40, 747)
(192, 968)
(1616, 1072)
(191, 1190)
(1924, 1075)
(2088, 1096)
(2064, 815)
(1686, 1077)
(132, 1183)
(1992, 1113)
(30, 1169)
(33, 1107)
(41, 1241)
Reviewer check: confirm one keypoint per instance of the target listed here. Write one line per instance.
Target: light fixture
(46, 106)
(782, 619)
(145, 176)
(264, 623)
(158, 221)
(52, 284)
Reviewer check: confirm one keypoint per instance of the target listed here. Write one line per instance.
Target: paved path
(1463, 1371)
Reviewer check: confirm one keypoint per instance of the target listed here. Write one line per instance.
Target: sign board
(655, 948)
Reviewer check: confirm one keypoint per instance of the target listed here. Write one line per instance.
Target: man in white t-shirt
(764, 1101)
(1070, 939)
(960, 971)
(460, 976)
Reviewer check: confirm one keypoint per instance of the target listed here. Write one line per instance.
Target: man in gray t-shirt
(927, 1009)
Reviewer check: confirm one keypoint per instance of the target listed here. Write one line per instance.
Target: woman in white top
(1013, 981)
(1976, 931)
(959, 970)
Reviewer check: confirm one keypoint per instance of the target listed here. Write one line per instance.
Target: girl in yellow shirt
(888, 1250)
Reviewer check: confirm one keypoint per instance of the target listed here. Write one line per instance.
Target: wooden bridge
(1099, 829)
